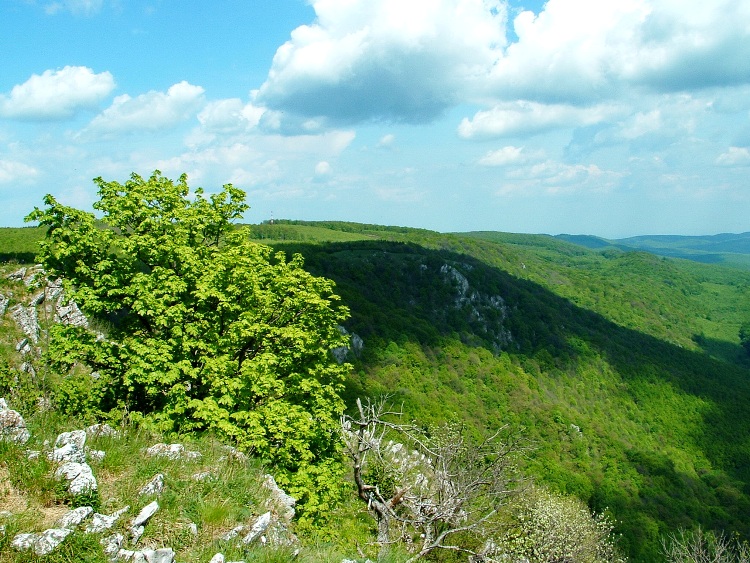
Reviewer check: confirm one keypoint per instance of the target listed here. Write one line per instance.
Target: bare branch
(433, 485)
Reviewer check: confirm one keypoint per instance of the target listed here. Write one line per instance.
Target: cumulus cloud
(149, 112)
(524, 118)
(584, 51)
(16, 172)
(735, 156)
(388, 60)
(56, 94)
(230, 115)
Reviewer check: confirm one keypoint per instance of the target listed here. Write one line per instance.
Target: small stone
(96, 430)
(280, 502)
(77, 437)
(218, 558)
(153, 487)
(68, 452)
(44, 543)
(163, 555)
(136, 532)
(193, 528)
(24, 542)
(125, 554)
(12, 425)
(112, 544)
(260, 526)
(33, 454)
(96, 455)
(170, 451)
(202, 476)
(18, 275)
(74, 517)
(145, 514)
(101, 522)
(27, 320)
(233, 533)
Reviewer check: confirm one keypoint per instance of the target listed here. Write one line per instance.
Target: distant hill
(726, 248)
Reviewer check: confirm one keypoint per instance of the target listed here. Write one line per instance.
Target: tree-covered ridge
(606, 374)
(727, 248)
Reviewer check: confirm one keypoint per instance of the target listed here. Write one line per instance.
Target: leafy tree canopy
(200, 328)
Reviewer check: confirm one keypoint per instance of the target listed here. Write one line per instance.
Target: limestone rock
(69, 452)
(233, 454)
(172, 451)
(260, 526)
(77, 437)
(145, 514)
(280, 502)
(96, 455)
(27, 320)
(202, 476)
(218, 558)
(233, 533)
(154, 487)
(12, 425)
(112, 544)
(43, 543)
(74, 517)
(3, 304)
(96, 430)
(81, 478)
(18, 275)
(163, 555)
(101, 522)
(70, 314)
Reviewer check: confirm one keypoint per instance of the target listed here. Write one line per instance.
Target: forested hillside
(624, 369)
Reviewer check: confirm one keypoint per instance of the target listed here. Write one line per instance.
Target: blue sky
(570, 116)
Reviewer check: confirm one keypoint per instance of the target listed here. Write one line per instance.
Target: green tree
(202, 329)
(745, 336)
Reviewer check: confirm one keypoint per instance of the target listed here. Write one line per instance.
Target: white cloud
(56, 94)
(386, 140)
(389, 60)
(230, 115)
(254, 159)
(524, 118)
(152, 111)
(584, 51)
(556, 178)
(76, 7)
(16, 172)
(323, 168)
(735, 156)
(642, 123)
(509, 155)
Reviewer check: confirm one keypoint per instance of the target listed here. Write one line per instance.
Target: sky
(614, 119)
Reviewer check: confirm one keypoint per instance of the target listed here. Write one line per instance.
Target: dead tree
(436, 490)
